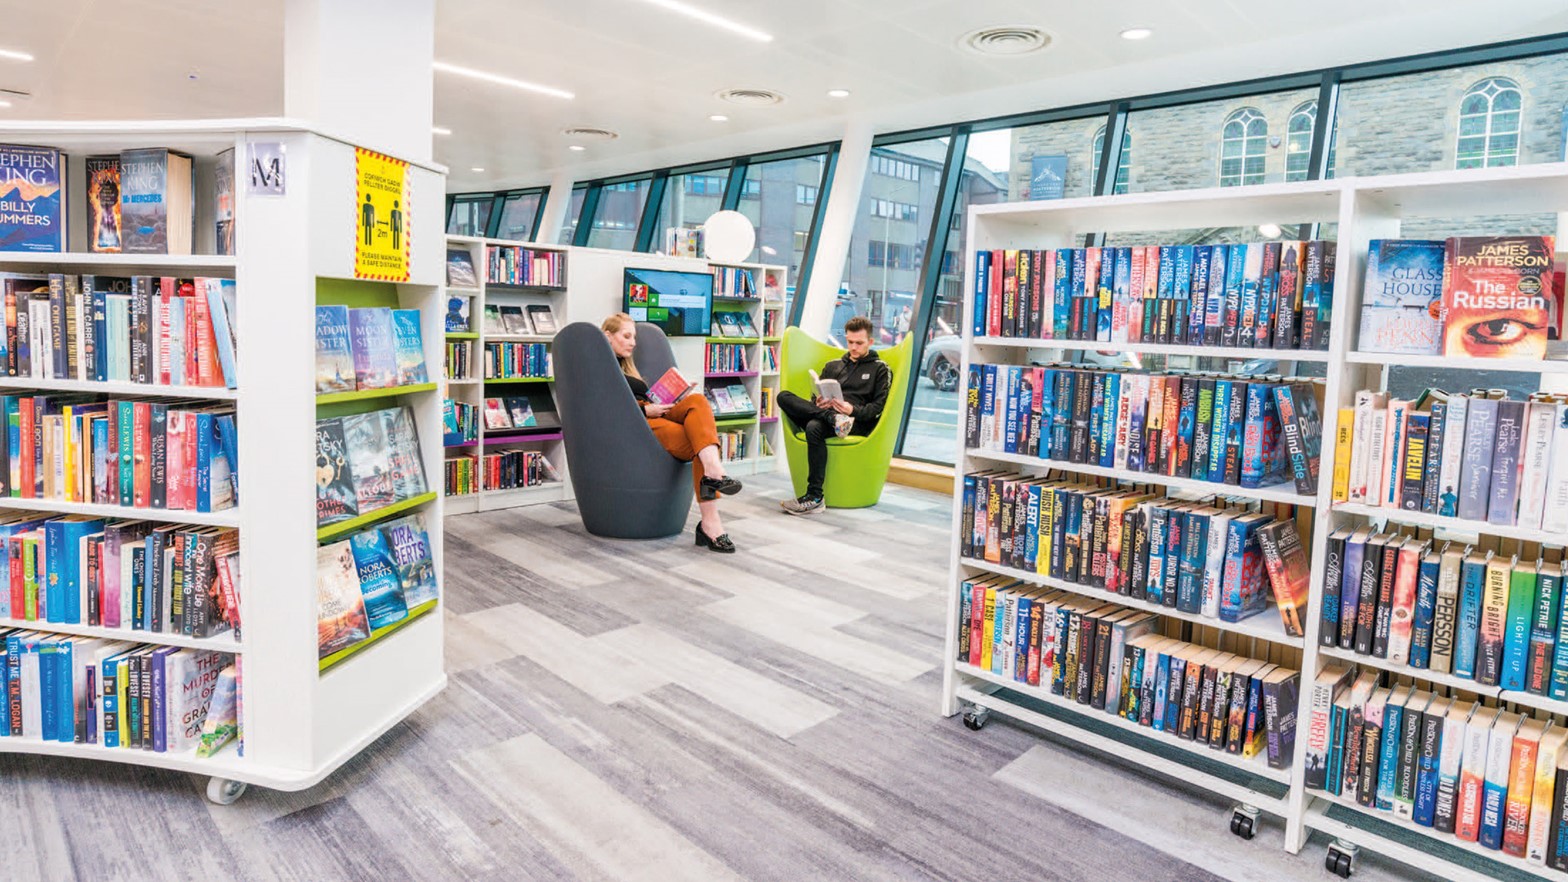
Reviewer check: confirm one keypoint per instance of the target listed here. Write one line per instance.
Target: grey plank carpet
(652, 711)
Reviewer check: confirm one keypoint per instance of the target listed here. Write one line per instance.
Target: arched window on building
(1489, 125)
(1298, 141)
(1243, 143)
(1120, 185)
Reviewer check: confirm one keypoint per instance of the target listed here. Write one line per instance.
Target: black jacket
(865, 383)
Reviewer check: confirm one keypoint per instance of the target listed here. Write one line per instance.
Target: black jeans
(816, 423)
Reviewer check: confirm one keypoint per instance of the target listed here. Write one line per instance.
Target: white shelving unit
(769, 281)
(1363, 209)
(475, 388)
(300, 722)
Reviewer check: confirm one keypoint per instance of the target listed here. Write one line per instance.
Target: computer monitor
(679, 303)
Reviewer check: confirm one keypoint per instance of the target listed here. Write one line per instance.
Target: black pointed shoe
(712, 487)
(720, 543)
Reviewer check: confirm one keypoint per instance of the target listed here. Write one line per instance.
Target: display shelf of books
(515, 296)
(142, 332)
(745, 296)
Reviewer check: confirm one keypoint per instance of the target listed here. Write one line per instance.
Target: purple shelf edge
(730, 374)
(523, 436)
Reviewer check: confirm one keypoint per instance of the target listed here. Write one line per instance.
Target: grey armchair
(627, 485)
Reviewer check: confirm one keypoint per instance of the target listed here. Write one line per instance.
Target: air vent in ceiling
(751, 97)
(1005, 40)
(583, 133)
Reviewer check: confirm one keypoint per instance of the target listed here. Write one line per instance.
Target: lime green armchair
(857, 465)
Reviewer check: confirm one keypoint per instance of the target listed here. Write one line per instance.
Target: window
(888, 166)
(783, 221)
(574, 213)
(802, 238)
(1243, 143)
(518, 213)
(751, 189)
(470, 215)
(620, 210)
(805, 194)
(689, 200)
(1298, 141)
(703, 185)
(1118, 186)
(1489, 125)
(902, 211)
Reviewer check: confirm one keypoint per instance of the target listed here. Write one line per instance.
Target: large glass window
(888, 247)
(574, 213)
(1123, 165)
(518, 213)
(1243, 146)
(1489, 125)
(620, 210)
(470, 215)
(688, 201)
(780, 198)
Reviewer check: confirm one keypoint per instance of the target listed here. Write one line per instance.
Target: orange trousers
(685, 429)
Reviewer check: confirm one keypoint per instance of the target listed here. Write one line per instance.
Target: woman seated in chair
(685, 429)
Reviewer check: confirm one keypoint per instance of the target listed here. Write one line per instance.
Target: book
(409, 347)
(460, 269)
(334, 353)
(542, 319)
(416, 571)
(369, 456)
(157, 191)
(671, 387)
(33, 190)
(103, 204)
(1289, 570)
(514, 320)
(457, 318)
(379, 581)
(340, 607)
(1402, 297)
(335, 496)
(827, 390)
(224, 201)
(375, 355)
(1497, 298)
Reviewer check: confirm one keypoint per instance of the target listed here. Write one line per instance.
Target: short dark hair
(858, 323)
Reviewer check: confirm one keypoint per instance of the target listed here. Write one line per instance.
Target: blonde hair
(613, 325)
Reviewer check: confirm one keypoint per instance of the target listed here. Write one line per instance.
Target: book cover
(409, 347)
(223, 201)
(1507, 463)
(1402, 299)
(1289, 570)
(334, 354)
(1450, 470)
(514, 320)
(1548, 754)
(156, 189)
(1494, 784)
(103, 204)
(1517, 619)
(192, 677)
(1475, 477)
(1497, 302)
(378, 578)
(403, 454)
(542, 319)
(375, 354)
(460, 269)
(340, 607)
(1520, 782)
(335, 496)
(457, 318)
(369, 456)
(1302, 428)
(32, 190)
(1472, 773)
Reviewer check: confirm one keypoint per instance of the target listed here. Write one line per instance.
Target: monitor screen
(679, 303)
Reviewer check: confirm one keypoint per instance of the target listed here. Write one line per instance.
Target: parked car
(941, 362)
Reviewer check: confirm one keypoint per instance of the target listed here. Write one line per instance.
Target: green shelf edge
(462, 335)
(377, 635)
(744, 340)
(367, 394)
(332, 531)
(736, 421)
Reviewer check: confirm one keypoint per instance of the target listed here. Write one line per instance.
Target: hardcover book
(375, 354)
(378, 578)
(156, 209)
(1402, 297)
(335, 497)
(369, 455)
(416, 570)
(334, 354)
(340, 607)
(543, 320)
(1497, 302)
(460, 269)
(403, 454)
(103, 204)
(32, 189)
(514, 320)
(409, 347)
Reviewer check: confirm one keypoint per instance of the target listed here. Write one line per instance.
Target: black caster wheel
(1340, 859)
(1244, 821)
(975, 718)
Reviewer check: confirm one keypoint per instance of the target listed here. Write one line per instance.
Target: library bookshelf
(764, 307)
(301, 717)
(483, 302)
(1360, 210)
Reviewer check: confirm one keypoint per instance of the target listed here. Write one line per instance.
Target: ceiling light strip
(469, 72)
(14, 55)
(717, 21)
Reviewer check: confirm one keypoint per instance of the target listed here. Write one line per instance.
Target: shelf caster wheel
(1244, 820)
(975, 718)
(222, 791)
(1340, 859)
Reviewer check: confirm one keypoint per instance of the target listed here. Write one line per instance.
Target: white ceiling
(652, 75)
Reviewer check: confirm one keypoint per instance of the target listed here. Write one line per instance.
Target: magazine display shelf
(1363, 209)
(475, 388)
(299, 724)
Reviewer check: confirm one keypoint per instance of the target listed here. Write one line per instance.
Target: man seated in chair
(865, 380)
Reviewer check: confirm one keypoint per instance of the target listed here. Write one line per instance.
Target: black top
(865, 383)
(639, 388)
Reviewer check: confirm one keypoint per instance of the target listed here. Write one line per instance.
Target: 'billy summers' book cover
(103, 204)
(32, 199)
(1498, 300)
(1402, 300)
(340, 608)
(334, 355)
(378, 579)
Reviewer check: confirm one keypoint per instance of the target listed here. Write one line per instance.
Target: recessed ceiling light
(476, 169)
(440, 130)
(576, 148)
(14, 55)
(1137, 34)
(5, 104)
(719, 117)
(1008, 40)
(838, 93)
(500, 80)
(718, 21)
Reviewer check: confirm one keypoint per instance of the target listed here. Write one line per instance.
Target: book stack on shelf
(734, 283)
(365, 462)
(733, 446)
(727, 358)
(370, 582)
(506, 316)
(1419, 582)
(368, 348)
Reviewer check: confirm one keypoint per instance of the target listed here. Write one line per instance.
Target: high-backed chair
(857, 465)
(627, 485)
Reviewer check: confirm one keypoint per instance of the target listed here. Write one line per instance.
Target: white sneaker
(805, 505)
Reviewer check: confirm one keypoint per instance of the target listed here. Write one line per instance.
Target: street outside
(933, 424)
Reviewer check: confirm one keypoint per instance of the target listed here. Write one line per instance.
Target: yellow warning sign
(381, 209)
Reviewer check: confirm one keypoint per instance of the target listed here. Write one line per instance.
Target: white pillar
(360, 69)
(836, 228)
(556, 204)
